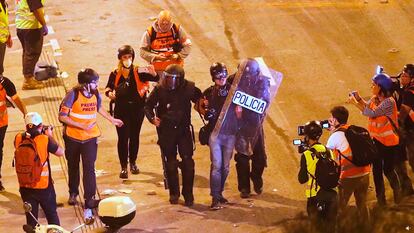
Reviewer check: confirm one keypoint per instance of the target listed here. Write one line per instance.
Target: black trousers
(128, 134)
(244, 173)
(2, 134)
(385, 164)
(171, 141)
(75, 150)
(32, 43)
(46, 198)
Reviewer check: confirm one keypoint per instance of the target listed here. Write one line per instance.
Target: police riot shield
(253, 88)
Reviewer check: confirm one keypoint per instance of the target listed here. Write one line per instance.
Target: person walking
(78, 114)
(5, 37)
(128, 88)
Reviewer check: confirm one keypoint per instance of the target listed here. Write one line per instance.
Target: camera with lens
(210, 114)
(324, 123)
(302, 146)
(46, 127)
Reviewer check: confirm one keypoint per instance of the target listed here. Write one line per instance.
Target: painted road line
(57, 51)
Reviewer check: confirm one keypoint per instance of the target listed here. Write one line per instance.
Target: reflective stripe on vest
(142, 87)
(163, 44)
(4, 117)
(83, 116)
(83, 111)
(4, 24)
(41, 147)
(25, 19)
(381, 128)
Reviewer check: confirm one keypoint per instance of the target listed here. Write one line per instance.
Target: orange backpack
(27, 162)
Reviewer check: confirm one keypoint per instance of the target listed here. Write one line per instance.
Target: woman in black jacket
(127, 87)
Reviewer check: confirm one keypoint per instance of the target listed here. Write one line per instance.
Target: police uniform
(249, 125)
(43, 192)
(173, 107)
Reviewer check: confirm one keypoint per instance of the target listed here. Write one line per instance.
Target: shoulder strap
(152, 33)
(175, 29)
(394, 127)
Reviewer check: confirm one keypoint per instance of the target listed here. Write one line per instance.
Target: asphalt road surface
(325, 49)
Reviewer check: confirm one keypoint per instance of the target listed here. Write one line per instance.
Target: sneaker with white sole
(88, 216)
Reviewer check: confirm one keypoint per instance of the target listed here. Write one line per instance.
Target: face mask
(127, 63)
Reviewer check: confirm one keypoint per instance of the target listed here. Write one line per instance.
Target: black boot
(124, 173)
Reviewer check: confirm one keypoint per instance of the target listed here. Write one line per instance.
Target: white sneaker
(88, 216)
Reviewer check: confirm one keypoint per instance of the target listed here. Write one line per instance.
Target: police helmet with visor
(173, 77)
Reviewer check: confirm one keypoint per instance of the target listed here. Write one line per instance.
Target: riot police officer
(250, 134)
(171, 101)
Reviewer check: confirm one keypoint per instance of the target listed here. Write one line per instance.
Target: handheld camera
(302, 145)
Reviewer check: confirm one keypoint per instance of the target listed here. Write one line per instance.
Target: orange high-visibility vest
(381, 128)
(84, 111)
(142, 87)
(4, 117)
(41, 147)
(348, 169)
(163, 44)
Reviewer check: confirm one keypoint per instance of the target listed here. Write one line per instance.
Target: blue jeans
(221, 151)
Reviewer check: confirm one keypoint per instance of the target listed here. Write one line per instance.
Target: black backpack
(327, 170)
(362, 146)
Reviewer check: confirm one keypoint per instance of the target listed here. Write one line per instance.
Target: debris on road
(108, 192)
(151, 192)
(126, 191)
(393, 50)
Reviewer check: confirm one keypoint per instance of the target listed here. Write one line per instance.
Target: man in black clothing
(128, 88)
(171, 100)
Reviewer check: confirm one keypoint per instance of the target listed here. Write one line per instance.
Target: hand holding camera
(354, 96)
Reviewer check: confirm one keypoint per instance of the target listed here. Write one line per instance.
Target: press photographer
(321, 173)
(221, 147)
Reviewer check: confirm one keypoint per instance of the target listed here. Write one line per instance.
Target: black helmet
(173, 77)
(126, 49)
(313, 130)
(87, 75)
(218, 70)
(252, 67)
(409, 69)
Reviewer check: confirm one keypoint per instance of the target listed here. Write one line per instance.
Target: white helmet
(33, 118)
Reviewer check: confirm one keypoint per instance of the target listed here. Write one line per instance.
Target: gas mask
(127, 63)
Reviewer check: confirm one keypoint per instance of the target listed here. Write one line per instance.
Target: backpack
(362, 146)
(327, 170)
(27, 162)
